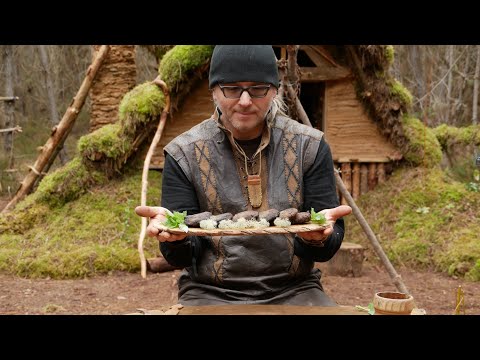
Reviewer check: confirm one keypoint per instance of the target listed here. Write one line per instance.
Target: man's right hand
(157, 216)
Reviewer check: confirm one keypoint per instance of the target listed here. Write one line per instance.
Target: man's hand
(157, 216)
(331, 215)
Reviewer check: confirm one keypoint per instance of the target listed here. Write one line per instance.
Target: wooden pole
(146, 166)
(60, 132)
(397, 280)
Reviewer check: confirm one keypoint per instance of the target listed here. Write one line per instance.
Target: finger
(339, 211)
(149, 211)
(153, 231)
(168, 237)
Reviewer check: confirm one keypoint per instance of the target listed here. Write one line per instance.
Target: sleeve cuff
(315, 243)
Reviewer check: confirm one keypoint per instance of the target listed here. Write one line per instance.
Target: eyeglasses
(235, 92)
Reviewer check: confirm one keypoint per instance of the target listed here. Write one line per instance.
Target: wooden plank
(317, 59)
(319, 49)
(269, 310)
(316, 74)
(350, 132)
(364, 159)
(347, 179)
(381, 173)
(292, 229)
(372, 176)
(197, 107)
(363, 179)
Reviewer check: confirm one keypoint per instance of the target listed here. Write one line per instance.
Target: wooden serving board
(292, 229)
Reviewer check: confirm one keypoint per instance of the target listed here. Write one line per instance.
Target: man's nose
(245, 99)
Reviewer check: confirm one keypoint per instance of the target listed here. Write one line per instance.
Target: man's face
(244, 116)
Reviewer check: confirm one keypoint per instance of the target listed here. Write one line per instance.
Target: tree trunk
(9, 105)
(449, 83)
(348, 261)
(475, 89)
(116, 77)
(52, 102)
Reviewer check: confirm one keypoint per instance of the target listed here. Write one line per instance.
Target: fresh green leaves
(176, 220)
(370, 309)
(317, 218)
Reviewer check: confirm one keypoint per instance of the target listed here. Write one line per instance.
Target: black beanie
(235, 63)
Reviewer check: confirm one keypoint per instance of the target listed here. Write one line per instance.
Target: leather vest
(248, 266)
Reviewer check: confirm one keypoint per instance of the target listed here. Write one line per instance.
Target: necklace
(254, 184)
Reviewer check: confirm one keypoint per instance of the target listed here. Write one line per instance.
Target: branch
(14, 129)
(146, 166)
(9, 98)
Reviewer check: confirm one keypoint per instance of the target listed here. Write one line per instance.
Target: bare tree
(475, 88)
(52, 99)
(9, 104)
(450, 82)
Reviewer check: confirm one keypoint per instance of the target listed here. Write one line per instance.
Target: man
(248, 156)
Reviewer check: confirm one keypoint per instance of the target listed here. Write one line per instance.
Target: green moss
(67, 183)
(450, 135)
(390, 54)
(106, 142)
(179, 62)
(423, 147)
(401, 93)
(140, 105)
(96, 233)
(431, 222)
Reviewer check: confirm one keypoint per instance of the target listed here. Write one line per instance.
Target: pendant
(254, 183)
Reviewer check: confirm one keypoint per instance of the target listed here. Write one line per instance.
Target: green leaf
(176, 220)
(317, 218)
(371, 309)
(183, 227)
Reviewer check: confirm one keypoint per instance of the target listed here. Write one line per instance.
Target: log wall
(351, 134)
(359, 177)
(197, 107)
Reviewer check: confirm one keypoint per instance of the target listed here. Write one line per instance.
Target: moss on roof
(423, 147)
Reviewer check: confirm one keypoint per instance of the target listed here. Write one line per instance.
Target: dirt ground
(123, 293)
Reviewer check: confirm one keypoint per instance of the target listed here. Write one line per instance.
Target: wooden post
(60, 132)
(347, 179)
(356, 180)
(363, 179)
(372, 176)
(381, 173)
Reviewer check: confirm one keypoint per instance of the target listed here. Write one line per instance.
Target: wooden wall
(351, 134)
(197, 107)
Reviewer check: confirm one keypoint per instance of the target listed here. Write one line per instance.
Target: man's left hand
(331, 215)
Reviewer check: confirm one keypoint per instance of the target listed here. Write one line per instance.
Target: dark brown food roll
(220, 217)
(270, 215)
(288, 214)
(194, 220)
(248, 215)
(302, 218)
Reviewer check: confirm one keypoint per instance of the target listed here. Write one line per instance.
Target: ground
(123, 293)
